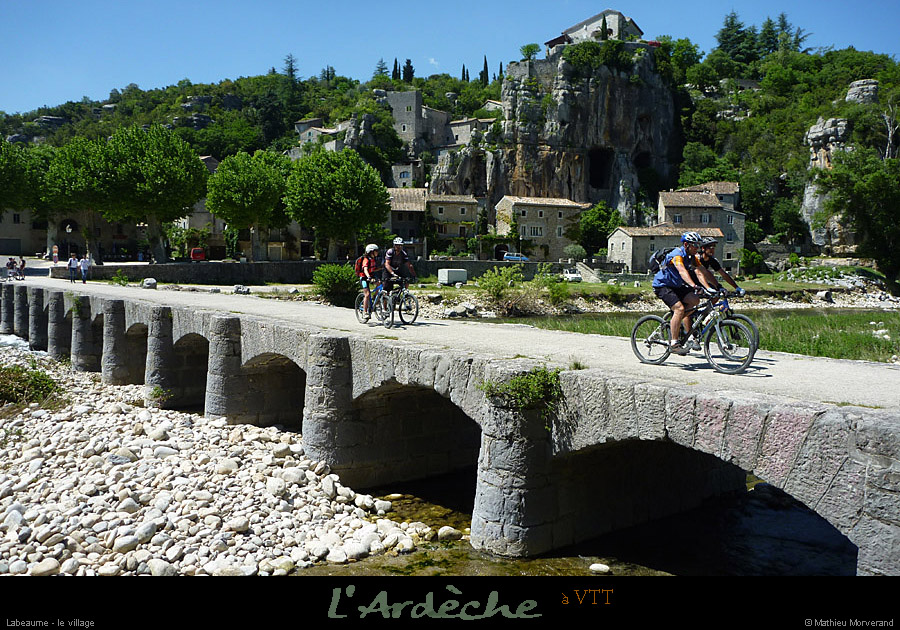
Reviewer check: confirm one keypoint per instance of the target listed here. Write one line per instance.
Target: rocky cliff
(566, 133)
(824, 138)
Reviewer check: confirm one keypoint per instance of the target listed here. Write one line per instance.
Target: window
(705, 218)
(462, 211)
(676, 219)
(559, 231)
(462, 230)
(540, 214)
(729, 237)
(536, 230)
(727, 255)
(523, 213)
(440, 209)
(404, 175)
(560, 214)
(730, 219)
(17, 218)
(409, 108)
(441, 228)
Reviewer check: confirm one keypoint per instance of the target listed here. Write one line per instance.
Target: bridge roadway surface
(808, 379)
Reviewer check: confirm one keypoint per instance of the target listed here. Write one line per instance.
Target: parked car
(515, 257)
(197, 253)
(571, 275)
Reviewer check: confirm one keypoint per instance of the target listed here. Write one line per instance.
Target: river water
(761, 531)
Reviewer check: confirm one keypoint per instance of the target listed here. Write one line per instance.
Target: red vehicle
(197, 253)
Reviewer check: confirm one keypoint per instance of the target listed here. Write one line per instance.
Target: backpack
(657, 258)
(358, 265)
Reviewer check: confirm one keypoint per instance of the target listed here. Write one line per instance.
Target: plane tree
(246, 191)
(152, 177)
(336, 194)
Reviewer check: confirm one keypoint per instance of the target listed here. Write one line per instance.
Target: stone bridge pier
(618, 451)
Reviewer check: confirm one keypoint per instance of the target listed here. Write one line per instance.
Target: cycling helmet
(398, 241)
(692, 238)
(371, 248)
(709, 240)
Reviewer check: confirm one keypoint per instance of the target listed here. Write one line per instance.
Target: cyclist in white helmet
(675, 286)
(371, 265)
(396, 263)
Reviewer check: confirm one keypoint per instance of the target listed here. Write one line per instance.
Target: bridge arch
(275, 388)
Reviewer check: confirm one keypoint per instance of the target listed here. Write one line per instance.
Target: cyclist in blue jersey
(675, 285)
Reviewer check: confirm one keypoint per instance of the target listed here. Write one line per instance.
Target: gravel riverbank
(101, 485)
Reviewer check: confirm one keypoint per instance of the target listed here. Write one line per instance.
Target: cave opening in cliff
(600, 163)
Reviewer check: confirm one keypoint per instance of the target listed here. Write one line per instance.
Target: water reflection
(759, 532)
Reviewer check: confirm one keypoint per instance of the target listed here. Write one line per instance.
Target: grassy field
(839, 334)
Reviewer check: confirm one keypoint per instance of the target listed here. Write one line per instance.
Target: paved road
(804, 378)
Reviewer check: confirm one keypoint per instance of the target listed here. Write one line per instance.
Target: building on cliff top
(618, 26)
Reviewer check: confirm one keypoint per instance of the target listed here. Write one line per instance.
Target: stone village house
(708, 208)
(541, 220)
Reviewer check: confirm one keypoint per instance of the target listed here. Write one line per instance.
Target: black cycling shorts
(671, 296)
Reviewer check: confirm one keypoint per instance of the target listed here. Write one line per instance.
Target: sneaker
(693, 344)
(367, 317)
(677, 348)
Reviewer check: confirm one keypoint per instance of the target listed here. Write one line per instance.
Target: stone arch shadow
(274, 388)
(405, 432)
(186, 382)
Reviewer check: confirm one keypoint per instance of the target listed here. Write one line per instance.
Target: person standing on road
(21, 268)
(85, 264)
(72, 267)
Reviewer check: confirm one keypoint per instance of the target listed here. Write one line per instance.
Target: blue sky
(53, 51)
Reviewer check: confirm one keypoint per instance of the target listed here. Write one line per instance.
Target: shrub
(559, 293)
(336, 284)
(19, 385)
(575, 251)
(120, 279)
(497, 282)
(537, 389)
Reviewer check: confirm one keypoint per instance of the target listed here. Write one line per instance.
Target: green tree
(12, 176)
(245, 192)
(865, 190)
(337, 194)
(152, 177)
(76, 183)
(409, 72)
(529, 51)
(595, 225)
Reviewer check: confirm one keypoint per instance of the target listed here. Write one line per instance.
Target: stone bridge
(620, 451)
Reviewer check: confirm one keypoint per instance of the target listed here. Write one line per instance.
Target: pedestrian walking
(85, 265)
(73, 267)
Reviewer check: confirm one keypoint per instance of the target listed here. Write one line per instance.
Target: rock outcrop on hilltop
(571, 135)
(824, 138)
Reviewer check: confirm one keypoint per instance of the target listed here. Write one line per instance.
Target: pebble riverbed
(101, 485)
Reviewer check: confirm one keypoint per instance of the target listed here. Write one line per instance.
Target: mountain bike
(727, 311)
(728, 344)
(407, 304)
(379, 305)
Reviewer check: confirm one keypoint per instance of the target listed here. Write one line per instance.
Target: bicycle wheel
(359, 307)
(729, 347)
(379, 306)
(388, 309)
(650, 339)
(408, 308)
(746, 321)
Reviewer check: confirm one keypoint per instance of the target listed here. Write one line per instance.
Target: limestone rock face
(864, 91)
(824, 138)
(569, 136)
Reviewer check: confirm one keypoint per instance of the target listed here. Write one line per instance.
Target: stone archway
(275, 389)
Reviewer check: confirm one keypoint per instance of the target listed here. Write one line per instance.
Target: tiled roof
(547, 201)
(679, 199)
(666, 229)
(452, 199)
(719, 188)
(407, 199)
